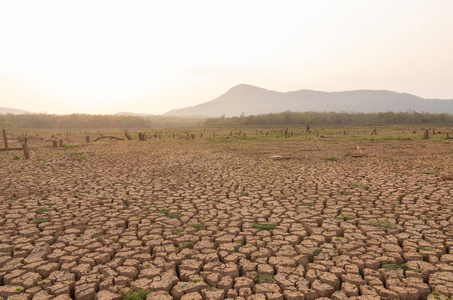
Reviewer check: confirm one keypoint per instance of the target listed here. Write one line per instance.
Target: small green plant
(317, 251)
(428, 216)
(19, 289)
(346, 217)
(382, 224)
(331, 158)
(76, 153)
(263, 226)
(261, 278)
(173, 215)
(391, 265)
(131, 295)
(177, 230)
(15, 157)
(12, 198)
(49, 204)
(39, 221)
(427, 172)
(41, 210)
(163, 211)
(196, 280)
(309, 291)
(187, 245)
(197, 226)
(307, 204)
(425, 248)
(244, 194)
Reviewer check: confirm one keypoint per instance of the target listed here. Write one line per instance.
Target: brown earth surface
(229, 218)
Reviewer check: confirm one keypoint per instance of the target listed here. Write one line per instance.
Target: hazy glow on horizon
(154, 56)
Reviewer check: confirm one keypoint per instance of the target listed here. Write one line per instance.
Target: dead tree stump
(374, 132)
(128, 136)
(426, 135)
(61, 143)
(142, 136)
(54, 144)
(5, 140)
(87, 139)
(307, 128)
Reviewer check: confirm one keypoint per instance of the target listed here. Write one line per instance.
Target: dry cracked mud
(199, 219)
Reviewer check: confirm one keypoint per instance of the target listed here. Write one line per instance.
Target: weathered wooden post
(61, 143)
(201, 135)
(26, 152)
(173, 135)
(5, 139)
(307, 128)
(374, 132)
(87, 139)
(54, 144)
(286, 132)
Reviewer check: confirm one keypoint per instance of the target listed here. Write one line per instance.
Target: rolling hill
(14, 111)
(250, 100)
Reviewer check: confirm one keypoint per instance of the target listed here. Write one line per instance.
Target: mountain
(7, 110)
(250, 100)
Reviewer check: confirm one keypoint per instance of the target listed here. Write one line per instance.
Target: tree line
(332, 118)
(47, 121)
(50, 121)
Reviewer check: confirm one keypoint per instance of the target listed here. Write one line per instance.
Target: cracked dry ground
(197, 220)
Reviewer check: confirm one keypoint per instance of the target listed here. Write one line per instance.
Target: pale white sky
(154, 56)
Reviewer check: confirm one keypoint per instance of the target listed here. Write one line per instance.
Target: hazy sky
(153, 56)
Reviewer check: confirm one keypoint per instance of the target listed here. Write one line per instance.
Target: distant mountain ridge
(7, 110)
(250, 100)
